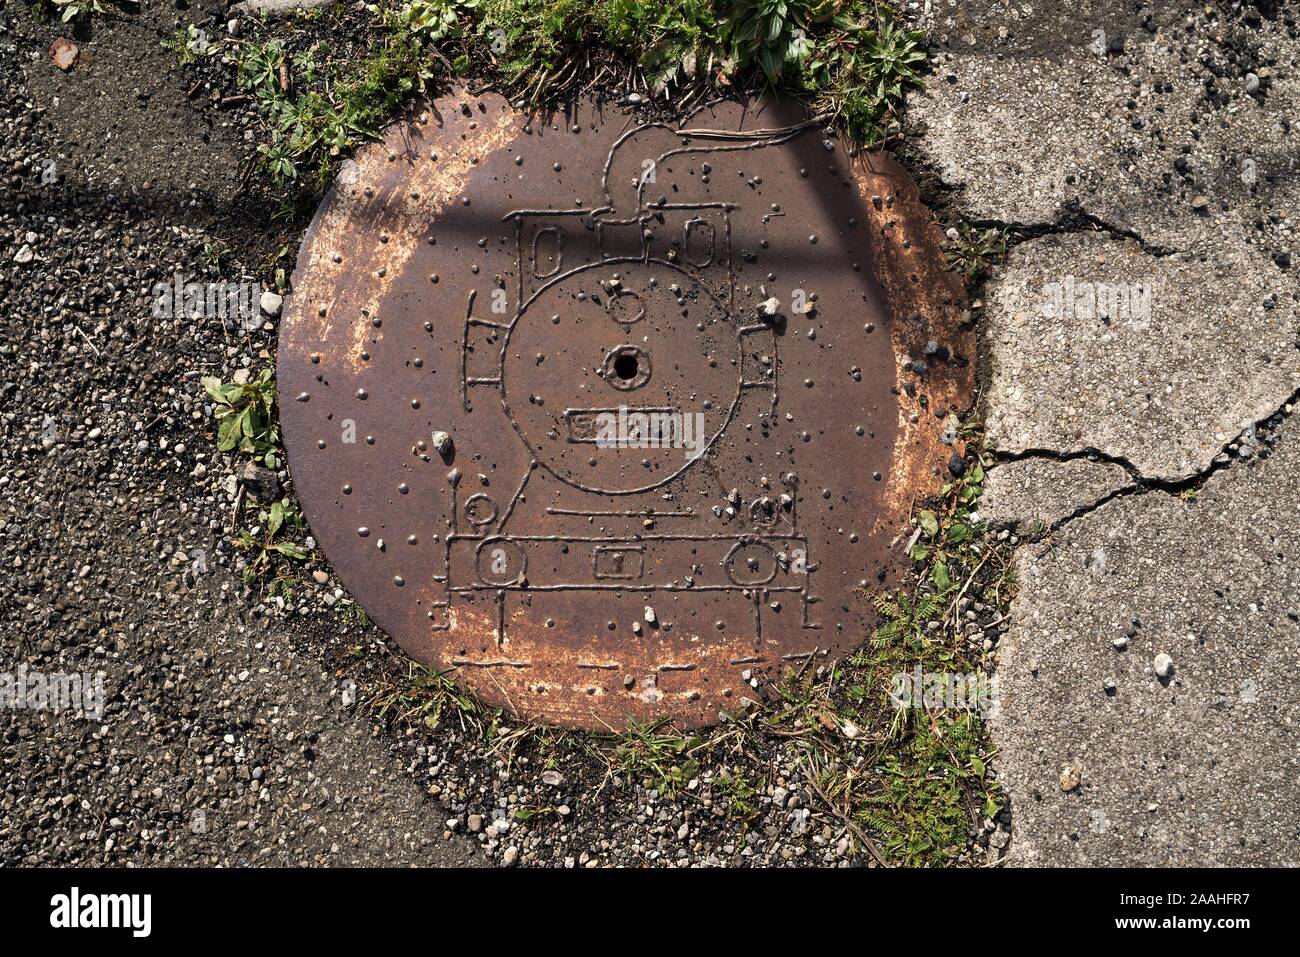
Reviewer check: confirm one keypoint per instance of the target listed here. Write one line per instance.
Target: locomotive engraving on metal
(686, 381)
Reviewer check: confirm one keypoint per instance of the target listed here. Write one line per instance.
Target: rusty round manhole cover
(611, 417)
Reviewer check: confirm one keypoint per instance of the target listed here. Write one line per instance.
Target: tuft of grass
(849, 58)
(933, 788)
(318, 107)
(657, 756)
(428, 698)
(265, 546)
(972, 251)
(245, 414)
(930, 786)
(540, 48)
(860, 73)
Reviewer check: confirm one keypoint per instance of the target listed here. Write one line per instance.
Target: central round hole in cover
(625, 366)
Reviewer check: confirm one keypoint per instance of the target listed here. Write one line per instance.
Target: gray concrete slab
(1039, 492)
(1160, 360)
(1201, 767)
(1165, 134)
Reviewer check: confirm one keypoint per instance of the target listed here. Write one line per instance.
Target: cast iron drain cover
(614, 418)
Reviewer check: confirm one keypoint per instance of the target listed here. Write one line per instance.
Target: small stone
(553, 778)
(1071, 778)
(260, 483)
(475, 823)
(1120, 643)
(769, 307)
(511, 856)
(441, 443)
(63, 53)
(1252, 83)
(321, 576)
(650, 618)
(271, 303)
(24, 255)
(1164, 665)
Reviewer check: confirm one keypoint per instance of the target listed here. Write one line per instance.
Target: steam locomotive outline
(770, 557)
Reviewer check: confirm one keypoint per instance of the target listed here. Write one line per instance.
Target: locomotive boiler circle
(617, 400)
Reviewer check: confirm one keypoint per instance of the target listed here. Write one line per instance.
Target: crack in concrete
(1074, 221)
(945, 199)
(1143, 484)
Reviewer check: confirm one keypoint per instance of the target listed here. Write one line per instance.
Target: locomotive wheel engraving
(687, 418)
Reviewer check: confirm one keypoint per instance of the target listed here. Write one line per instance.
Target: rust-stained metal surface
(691, 378)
